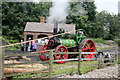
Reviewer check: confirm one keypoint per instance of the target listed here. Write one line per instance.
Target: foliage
(82, 14)
(117, 41)
(118, 60)
(16, 14)
(107, 25)
(99, 40)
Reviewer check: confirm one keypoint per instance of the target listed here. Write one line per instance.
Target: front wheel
(44, 49)
(59, 49)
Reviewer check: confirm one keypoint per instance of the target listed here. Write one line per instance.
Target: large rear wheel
(88, 45)
(61, 48)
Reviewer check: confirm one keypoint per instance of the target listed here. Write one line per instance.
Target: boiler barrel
(54, 42)
(68, 42)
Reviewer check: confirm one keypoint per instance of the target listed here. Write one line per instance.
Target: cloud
(109, 5)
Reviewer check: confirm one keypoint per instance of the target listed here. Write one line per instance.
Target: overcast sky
(109, 5)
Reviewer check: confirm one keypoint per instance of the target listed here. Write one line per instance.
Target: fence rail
(51, 61)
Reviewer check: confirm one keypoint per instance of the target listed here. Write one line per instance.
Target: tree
(90, 8)
(16, 14)
(108, 25)
(82, 14)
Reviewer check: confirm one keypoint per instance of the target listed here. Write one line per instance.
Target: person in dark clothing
(22, 46)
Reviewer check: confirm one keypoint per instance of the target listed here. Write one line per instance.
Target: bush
(14, 41)
(99, 40)
(117, 41)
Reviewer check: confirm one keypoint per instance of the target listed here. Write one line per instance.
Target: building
(35, 30)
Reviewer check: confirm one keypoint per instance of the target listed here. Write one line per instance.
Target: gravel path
(108, 72)
(108, 48)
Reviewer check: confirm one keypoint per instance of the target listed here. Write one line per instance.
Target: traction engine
(68, 43)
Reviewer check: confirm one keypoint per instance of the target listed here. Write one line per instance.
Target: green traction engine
(69, 43)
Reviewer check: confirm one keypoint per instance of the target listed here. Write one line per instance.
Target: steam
(58, 11)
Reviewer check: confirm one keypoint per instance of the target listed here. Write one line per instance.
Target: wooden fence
(51, 60)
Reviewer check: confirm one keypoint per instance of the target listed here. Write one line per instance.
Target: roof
(47, 27)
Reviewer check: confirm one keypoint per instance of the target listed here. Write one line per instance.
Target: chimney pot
(42, 19)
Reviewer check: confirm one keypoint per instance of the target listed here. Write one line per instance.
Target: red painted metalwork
(89, 46)
(61, 48)
(43, 50)
(52, 42)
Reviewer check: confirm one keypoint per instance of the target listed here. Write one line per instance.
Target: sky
(109, 5)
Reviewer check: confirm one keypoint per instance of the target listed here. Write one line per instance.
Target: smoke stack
(42, 19)
(55, 27)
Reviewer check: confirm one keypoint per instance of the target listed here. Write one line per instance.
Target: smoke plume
(58, 11)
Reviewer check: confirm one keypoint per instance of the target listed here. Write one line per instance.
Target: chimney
(42, 19)
(55, 30)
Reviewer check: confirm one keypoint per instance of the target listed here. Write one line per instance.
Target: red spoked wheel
(88, 46)
(51, 42)
(43, 50)
(61, 48)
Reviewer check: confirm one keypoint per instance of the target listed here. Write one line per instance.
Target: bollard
(116, 58)
(100, 60)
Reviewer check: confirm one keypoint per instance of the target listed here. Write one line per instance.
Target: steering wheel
(80, 32)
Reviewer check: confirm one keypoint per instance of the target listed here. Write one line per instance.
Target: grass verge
(63, 69)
